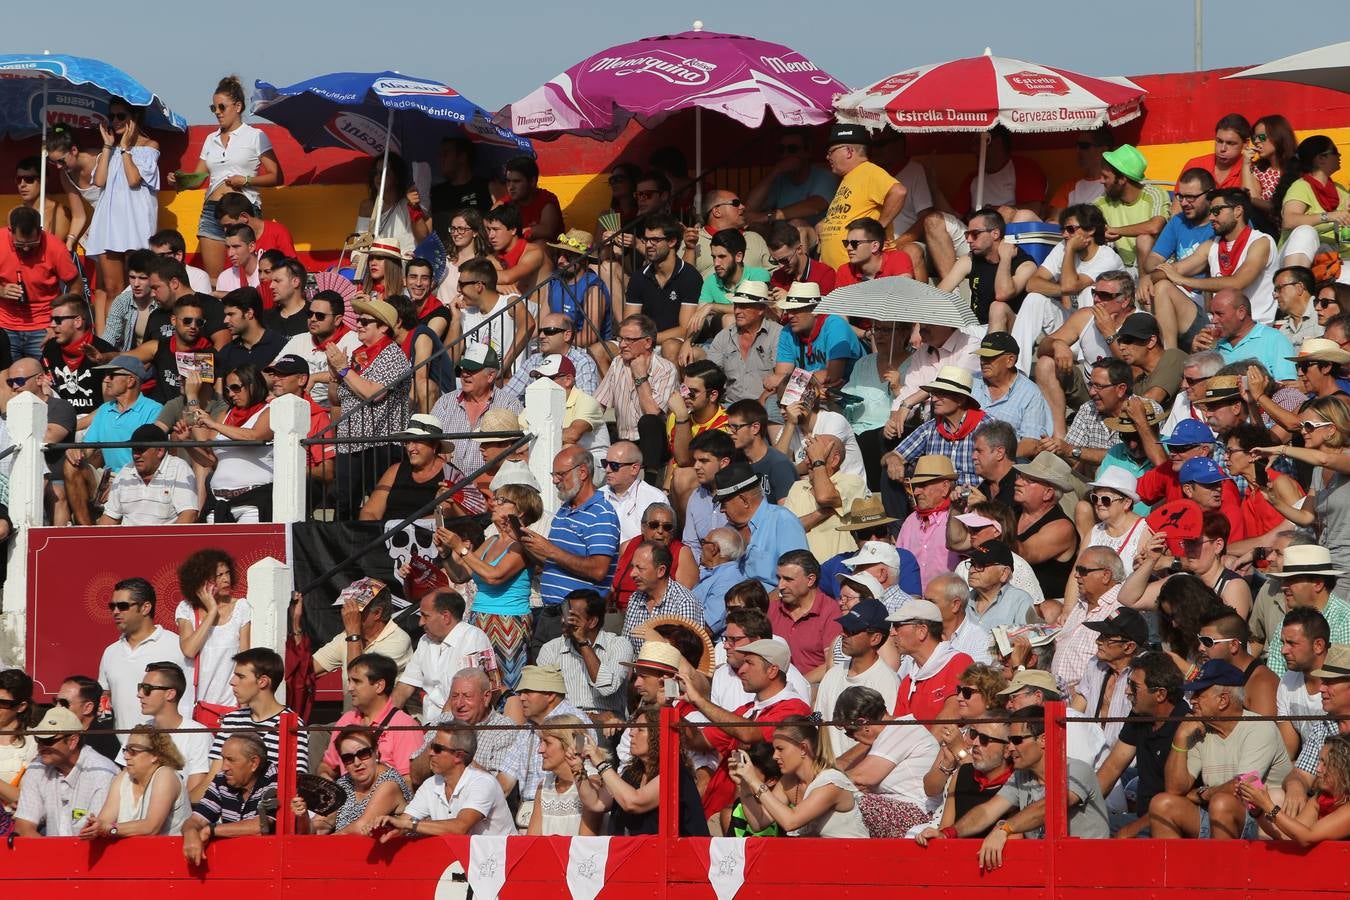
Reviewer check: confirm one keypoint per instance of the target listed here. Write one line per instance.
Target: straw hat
(574, 240)
(379, 310)
(1050, 469)
(932, 467)
(800, 295)
(656, 656)
(647, 632)
(386, 248)
(1321, 350)
(954, 380)
(866, 512)
(1306, 559)
(756, 292)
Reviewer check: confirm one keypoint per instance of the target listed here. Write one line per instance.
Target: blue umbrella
(370, 111)
(72, 90)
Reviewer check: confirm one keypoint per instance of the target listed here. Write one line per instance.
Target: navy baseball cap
(1126, 623)
(1215, 671)
(1201, 470)
(866, 615)
(1190, 431)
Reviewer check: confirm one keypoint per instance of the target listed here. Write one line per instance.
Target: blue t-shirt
(785, 192)
(836, 340)
(1179, 238)
(113, 424)
(591, 529)
(1268, 345)
(570, 300)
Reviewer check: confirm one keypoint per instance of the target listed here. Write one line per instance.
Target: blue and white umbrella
(374, 112)
(45, 89)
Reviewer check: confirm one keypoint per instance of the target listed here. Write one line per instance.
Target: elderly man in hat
(993, 599)
(65, 783)
(951, 431)
(866, 191)
(1220, 754)
(1006, 395)
(543, 693)
(825, 345)
(888, 564)
(459, 411)
(866, 522)
(1030, 686)
(745, 350)
(1135, 211)
(932, 667)
(924, 531)
(1105, 687)
(290, 375)
(1321, 365)
(770, 530)
(1046, 536)
(819, 496)
(865, 632)
(155, 489)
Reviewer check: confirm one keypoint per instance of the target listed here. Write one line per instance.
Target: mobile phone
(742, 759)
(579, 740)
(514, 521)
(684, 392)
(1262, 476)
(1260, 557)
(671, 688)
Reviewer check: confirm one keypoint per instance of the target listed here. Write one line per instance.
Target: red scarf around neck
(73, 353)
(1327, 196)
(338, 334)
(432, 304)
(810, 339)
(363, 356)
(972, 420)
(237, 416)
(925, 513)
(175, 347)
(1230, 254)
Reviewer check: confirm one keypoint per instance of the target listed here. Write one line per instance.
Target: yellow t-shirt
(824, 541)
(861, 194)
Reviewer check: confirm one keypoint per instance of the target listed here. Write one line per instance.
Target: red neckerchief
(1327, 196)
(811, 338)
(925, 513)
(237, 417)
(363, 356)
(432, 304)
(338, 334)
(984, 782)
(174, 347)
(406, 344)
(73, 353)
(511, 257)
(1231, 253)
(968, 424)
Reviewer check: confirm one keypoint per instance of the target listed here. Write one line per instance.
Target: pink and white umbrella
(739, 77)
(979, 93)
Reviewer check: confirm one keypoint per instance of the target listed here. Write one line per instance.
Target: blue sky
(496, 52)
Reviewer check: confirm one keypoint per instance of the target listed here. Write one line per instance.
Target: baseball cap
(148, 432)
(1190, 431)
(290, 364)
(997, 343)
(125, 363)
(975, 521)
(866, 615)
(916, 610)
(775, 653)
(479, 356)
(993, 553)
(1216, 671)
(59, 720)
(1201, 470)
(553, 364)
(1139, 327)
(1180, 520)
(873, 552)
(1126, 623)
(1039, 679)
(848, 134)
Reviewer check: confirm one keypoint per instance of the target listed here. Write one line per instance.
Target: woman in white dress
(127, 213)
(148, 796)
(558, 808)
(17, 747)
(812, 799)
(213, 625)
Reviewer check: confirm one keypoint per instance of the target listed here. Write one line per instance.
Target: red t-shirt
(532, 212)
(1161, 485)
(721, 789)
(275, 236)
(929, 695)
(816, 273)
(1258, 516)
(319, 419)
(893, 262)
(44, 269)
(1234, 179)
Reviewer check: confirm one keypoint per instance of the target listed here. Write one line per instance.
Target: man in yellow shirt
(818, 498)
(866, 190)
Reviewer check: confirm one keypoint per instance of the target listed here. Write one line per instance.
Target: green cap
(1128, 161)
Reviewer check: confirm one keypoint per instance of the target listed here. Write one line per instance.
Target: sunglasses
(616, 466)
(1179, 449)
(1069, 229)
(26, 179)
(984, 740)
(440, 748)
(966, 691)
(217, 107)
(1310, 427)
(18, 381)
(233, 388)
(318, 315)
(1305, 366)
(973, 233)
(48, 741)
(145, 688)
(1102, 499)
(1259, 137)
(735, 202)
(854, 244)
(1017, 739)
(120, 117)
(189, 321)
(1084, 571)
(660, 526)
(363, 754)
(57, 320)
(1325, 302)
(363, 321)
(552, 330)
(131, 750)
(120, 605)
(1215, 210)
(6, 703)
(1106, 295)
(1208, 642)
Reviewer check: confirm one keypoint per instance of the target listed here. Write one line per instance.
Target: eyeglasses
(553, 330)
(131, 750)
(779, 263)
(1084, 571)
(120, 605)
(559, 476)
(1310, 427)
(984, 740)
(57, 320)
(441, 748)
(233, 388)
(1326, 302)
(189, 321)
(660, 526)
(632, 340)
(652, 239)
(855, 244)
(27, 245)
(734, 427)
(18, 381)
(1106, 295)
(1208, 642)
(319, 315)
(363, 754)
(1094, 386)
(614, 466)
(973, 233)
(1017, 739)
(1280, 287)
(363, 321)
(145, 688)
(1188, 198)
(1102, 499)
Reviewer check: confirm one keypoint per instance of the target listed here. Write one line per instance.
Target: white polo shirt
(475, 790)
(123, 667)
(434, 664)
(632, 505)
(172, 490)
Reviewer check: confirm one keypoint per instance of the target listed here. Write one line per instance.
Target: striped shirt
(269, 730)
(222, 804)
(493, 744)
(591, 529)
(609, 689)
(1075, 644)
(618, 392)
(523, 762)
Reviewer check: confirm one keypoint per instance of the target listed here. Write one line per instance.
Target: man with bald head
(27, 377)
(625, 490)
(722, 209)
(820, 496)
(581, 547)
(1242, 337)
(556, 337)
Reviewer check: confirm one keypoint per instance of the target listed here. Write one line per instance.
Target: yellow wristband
(1181, 749)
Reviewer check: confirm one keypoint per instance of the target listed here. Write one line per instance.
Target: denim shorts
(1249, 826)
(208, 226)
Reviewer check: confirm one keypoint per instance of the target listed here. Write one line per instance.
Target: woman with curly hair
(148, 797)
(213, 624)
(1328, 819)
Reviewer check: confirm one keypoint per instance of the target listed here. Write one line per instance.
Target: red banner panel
(71, 573)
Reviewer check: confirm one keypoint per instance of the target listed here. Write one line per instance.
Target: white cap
(863, 580)
(873, 552)
(915, 609)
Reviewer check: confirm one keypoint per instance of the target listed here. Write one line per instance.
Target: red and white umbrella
(979, 93)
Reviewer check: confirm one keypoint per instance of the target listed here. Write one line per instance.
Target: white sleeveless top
(1125, 546)
(559, 813)
(833, 824)
(129, 809)
(241, 467)
(215, 661)
(1090, 347)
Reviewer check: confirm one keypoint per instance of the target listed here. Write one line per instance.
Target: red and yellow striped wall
(324, 188)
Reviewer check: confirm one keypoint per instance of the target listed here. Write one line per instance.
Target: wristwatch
(412, 826)
(1110, 339)
(639, 382)
(1272, 813)
(353, 638)
(818, 464)
(1076, 452)
(112, 829)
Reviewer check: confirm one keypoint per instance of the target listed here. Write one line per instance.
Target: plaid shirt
(523, 762)
(1316, 735)
(1087, 430)
(678, 602)
(927, 441)
(1076, 645)
(493, 744)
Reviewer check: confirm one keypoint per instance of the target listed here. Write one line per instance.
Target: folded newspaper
(1038, 635)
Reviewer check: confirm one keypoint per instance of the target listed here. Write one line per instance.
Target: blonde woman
(812, 798)
(558, 808)
(148, 797)
(1325, 425)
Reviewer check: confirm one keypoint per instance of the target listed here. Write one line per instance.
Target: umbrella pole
(378, 212)
(698, 161)
(979, 171)
(42, 170)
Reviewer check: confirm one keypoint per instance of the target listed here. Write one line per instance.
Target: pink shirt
(923, 367)
(397, 748)
(926, 538)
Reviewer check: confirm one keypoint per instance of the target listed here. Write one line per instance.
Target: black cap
(148, 432)
(290, 364)
(733, 479)
(993, 553)
(1139, 327)
(997, 343)
(848, 134)
(1126, 623)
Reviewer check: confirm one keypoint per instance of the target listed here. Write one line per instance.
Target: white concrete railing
(270, 581)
